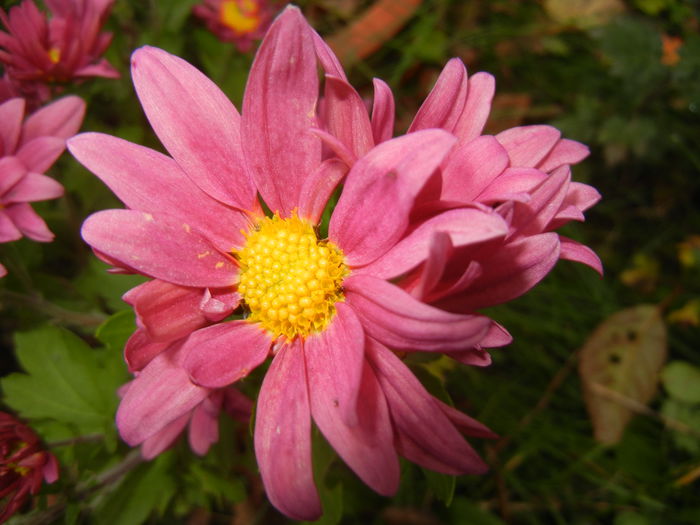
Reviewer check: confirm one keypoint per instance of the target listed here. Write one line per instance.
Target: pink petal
(50, 469)
(221, 354)
(388, 178)
(417, 416)
(161, 393)
(196, 123)
(34, 187)
(40, 153)
(3, 270)
(283, 436)
(465, 423)
(528, 145)
(219, 304)
(473, 357)
(8, 231)
(167, 311)
(471, 167)
(368, 445)
(160, 247)
(582, 196)
(464, 226)
(334, 363)
(574, 251)
(318, 188)
(11, 115)
(123, 165)
(11, 171)
(382, 112)
(445, 103)
(396, 319)
(165, 437)
(204, 425)
(140, 350)
(346, 116)
(545, 201)
(62, 119)
(279, 107)
(510, 272)
(511, 182)
(28, 222)
(564, 152)
(482, 87)
(327, 58)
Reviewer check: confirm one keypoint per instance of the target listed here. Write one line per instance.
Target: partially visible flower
(38, 52)
(24, 465)
(27, 149)
(241, 22)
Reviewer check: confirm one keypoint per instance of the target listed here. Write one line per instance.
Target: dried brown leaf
(624, 355)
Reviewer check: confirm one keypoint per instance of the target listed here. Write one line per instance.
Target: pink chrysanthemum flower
(27, 149)
(38, 52)
(195, 226)
(241, 22)
(24, 465)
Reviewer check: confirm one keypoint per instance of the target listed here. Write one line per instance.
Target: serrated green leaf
(115, 331)
(682, 381)
(66, 381)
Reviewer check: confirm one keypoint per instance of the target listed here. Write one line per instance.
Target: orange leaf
(619, 366)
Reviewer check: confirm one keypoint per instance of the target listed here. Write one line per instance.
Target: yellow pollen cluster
(289, 279)
(55, 55)
(240, 15)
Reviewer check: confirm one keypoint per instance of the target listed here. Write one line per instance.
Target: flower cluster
(241, 22)
(39, 52)
(429, 228)
(28, 147)
(24, 465)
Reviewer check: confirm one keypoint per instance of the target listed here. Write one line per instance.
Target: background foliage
(621, 76)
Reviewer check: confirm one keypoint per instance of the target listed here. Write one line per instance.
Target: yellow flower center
(289, 279)
(239, 15)
(54, 55)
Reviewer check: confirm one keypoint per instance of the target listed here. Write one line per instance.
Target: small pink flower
(24, 465)
(27, 149)
(241, 22)
(38, 52)
(316, 305)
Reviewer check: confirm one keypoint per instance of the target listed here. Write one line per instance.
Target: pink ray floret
(194, 225)
(28, 147)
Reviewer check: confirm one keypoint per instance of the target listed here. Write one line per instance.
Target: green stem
(53, 311)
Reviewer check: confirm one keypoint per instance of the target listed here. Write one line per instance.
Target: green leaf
(688, 415)
(682, 381)
(115, 331)
(229, 488)
(619, 366)
(442, 485)
(466, 513)
(66, 381)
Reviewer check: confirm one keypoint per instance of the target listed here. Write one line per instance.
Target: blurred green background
(622, 76)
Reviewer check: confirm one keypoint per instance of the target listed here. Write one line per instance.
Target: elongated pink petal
(196, 123)
(140, 176)
(512, 181)
(416, 415)
(388, 178)
(582, 196)
(346, 116)
(3, 270)
(368, 445)
(167, 311)
(473, 357)
(318, 188)
(327, 58)
(11, 171)
(34, 187)
(50, 469)
(161, 440)
(334, 363)
(464, 226)
(564, 152)
(393, 317)
(204, 424)
(160, 247)
(466, 424)
(39, 154)
(140, 350)
(279, 107)
(511, 271)
(11, 115)
(161, 393)
(445, 103)
(545, 201)
(62, 119)
(383, 110)
(283, 436)
(481, 89)
(221, 354)
(471, 167)
(8, 231)
(28, 222)
(528, 145)
(574, 251)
